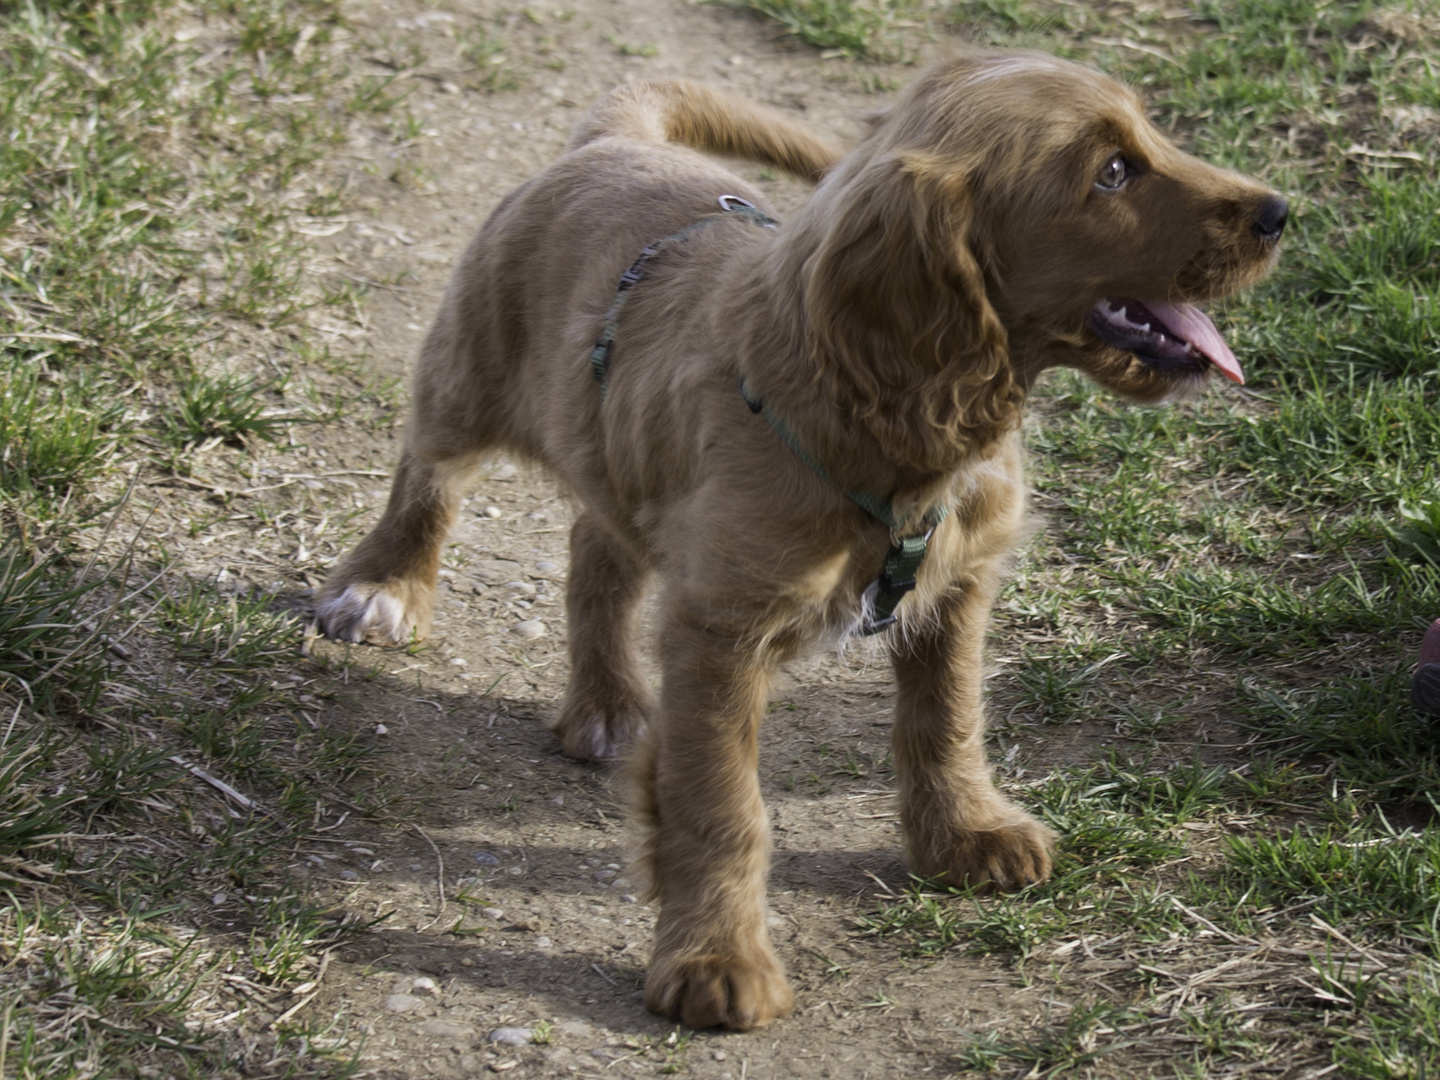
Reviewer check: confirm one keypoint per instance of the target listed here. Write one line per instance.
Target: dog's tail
(685, 112)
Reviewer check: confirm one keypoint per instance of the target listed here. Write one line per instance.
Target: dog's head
(1015, 212)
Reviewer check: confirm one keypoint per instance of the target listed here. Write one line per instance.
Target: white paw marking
(364, 613)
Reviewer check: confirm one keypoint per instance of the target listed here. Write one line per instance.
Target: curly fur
(897, 323)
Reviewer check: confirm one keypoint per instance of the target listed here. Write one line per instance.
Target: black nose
(1270, 222)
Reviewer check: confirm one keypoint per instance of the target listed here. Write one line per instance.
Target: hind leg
(384, 591)
(608, 701)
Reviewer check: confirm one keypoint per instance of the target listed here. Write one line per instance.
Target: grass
(163, 170)
(866, 29)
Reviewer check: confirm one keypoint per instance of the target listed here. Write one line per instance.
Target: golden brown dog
(1011, 213)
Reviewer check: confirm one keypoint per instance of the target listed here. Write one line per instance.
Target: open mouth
(1164, 335)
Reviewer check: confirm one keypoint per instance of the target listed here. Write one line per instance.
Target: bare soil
(540, 922)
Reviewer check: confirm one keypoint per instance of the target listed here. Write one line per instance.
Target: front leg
(708, 848)
(958, 827)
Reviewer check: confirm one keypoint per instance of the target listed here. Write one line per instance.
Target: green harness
(600, 355)
(902, 561)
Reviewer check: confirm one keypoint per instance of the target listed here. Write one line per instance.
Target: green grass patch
(163, 172)
(1368, 876)
(864, 29)
(1400, 1035)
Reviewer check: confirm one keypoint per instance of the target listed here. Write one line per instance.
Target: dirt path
(541, 929)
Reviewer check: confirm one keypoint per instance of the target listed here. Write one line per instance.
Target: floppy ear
(899, 318)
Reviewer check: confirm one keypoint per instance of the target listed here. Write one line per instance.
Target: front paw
(395, 613)
(1008, 855)
(721, 989)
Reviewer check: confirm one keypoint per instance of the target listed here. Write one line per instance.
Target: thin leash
(907, 550)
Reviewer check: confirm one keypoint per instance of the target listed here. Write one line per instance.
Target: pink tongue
(1189, 323)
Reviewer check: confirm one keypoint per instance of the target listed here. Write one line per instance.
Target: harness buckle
(896, 540)
(636, 270)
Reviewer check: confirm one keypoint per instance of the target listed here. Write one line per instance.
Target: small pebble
(529, 628)
(492, 913)
(627, 898)
(484, 858)
(218, 899)
(459, 661)
(403, 1003)
(425, 985)
(381, 729)
(543, 942)
(349, 875)
(545, 566)
(492, 512)
(511, 1036)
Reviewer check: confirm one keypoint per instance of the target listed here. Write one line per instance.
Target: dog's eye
(1115, 173)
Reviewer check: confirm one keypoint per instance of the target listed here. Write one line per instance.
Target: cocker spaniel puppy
(803, 430)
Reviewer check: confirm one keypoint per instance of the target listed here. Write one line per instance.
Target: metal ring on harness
(735, 202)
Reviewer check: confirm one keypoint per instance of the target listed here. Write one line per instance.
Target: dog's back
(524, 321)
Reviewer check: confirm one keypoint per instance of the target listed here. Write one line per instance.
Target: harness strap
(902, 562)
(605, 343)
